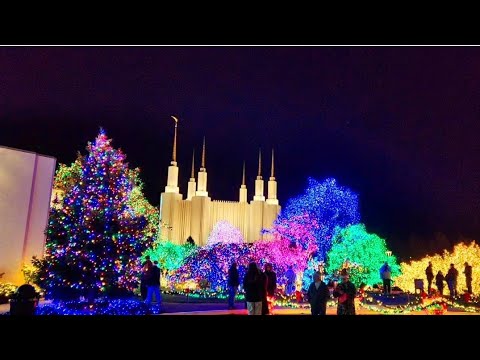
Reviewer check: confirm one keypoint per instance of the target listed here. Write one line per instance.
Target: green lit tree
(170, 256)
(362, 253)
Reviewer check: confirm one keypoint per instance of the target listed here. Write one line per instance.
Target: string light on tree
(365, 252)
(95, 239)
(329, 204)
(461, 253)
(225, 232)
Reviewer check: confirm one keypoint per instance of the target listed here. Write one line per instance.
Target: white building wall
(26, 181)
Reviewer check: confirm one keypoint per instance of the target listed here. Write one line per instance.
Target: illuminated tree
(326, 205)
(366, 253)
(312, 268)
(299, 229)
(67, 176)
(303, 230)
(461, 253)
(169, 255)
(140, 206)
(211, 263)
(224, 232)
(281, 252)
(94, 241)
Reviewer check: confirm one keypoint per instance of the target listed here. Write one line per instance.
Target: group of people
(450, 278)
(319, 293)
(259, 288)
(150, 281)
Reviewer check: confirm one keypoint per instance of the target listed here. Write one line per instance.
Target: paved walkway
(289, 311)
(219, 309)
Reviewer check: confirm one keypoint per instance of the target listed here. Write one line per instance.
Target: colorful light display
(365, 252)
(461, 253)
(328, 205)
(225, 232)
(99, 307)
(307, 276)
(169, 255)
(66, 176)
(94, 241)
(210, 264)
(140, 205)
(282, 253)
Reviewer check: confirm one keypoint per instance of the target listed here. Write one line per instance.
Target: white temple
(196, 215)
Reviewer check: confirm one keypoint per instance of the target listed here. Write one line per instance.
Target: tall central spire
(172, 179)
(259, 176)
(259, 182)
(174, 151)
(203, 154)
(243, 176)
(272, 176)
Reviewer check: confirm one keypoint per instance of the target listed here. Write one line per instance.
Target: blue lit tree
(211, 263)
(326, 205)
(307, 278)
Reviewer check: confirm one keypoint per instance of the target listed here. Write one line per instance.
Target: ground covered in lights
(182, 305)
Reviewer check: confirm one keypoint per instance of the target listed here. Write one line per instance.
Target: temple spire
(174, 151)
(192, 176)
(172, 179)
(203, 154)
(243, 176)
(259, 176)
(202, 176)
(243, 187)
(272, 172)
(272, 185)
(191, 182)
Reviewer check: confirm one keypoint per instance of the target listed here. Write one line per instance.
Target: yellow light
(461, 253)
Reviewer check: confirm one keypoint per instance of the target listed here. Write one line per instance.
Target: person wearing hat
(345, 293)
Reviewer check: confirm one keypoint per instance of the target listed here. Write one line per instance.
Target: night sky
(398, 125)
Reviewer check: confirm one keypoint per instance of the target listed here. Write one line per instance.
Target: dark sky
(398, 125)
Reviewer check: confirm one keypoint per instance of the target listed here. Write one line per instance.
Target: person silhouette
(318, 295)
(232, 282)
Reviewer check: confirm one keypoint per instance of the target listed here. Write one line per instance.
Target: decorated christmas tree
(95, 238)
(140, 206)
